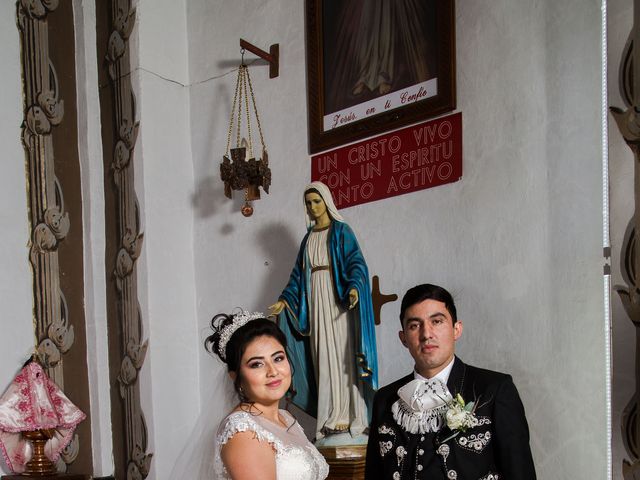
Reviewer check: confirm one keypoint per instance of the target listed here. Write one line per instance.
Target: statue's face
(316, 207)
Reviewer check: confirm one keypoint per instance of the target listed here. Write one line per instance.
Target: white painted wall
(16, 327)
(164, 186)
(92, 180)
(518, 240)
(620, 21)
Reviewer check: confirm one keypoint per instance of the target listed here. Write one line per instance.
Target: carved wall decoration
(628, 122)
(58, 318)
(50, 224)
(127, 347)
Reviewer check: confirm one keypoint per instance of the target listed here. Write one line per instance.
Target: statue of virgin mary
(327, 314)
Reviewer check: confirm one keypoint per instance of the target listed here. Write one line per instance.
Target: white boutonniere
(460, 416)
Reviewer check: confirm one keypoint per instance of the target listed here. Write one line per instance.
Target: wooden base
(631, 471)
(59, 476)
(345, 462)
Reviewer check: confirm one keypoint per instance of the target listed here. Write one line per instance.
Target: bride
(257, 440)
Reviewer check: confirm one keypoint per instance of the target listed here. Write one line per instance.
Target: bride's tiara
(238, 320)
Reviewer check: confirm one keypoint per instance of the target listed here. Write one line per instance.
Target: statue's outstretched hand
(276, 308)
(353, 298)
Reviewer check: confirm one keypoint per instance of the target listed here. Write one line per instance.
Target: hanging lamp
(238, 172)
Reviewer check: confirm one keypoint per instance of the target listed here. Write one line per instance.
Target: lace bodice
(296, 457)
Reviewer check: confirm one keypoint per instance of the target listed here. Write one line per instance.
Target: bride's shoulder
(241, 421)
(236, 421)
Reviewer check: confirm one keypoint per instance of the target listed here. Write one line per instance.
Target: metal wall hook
(273, 57)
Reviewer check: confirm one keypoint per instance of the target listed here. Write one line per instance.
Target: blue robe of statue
(348, 270)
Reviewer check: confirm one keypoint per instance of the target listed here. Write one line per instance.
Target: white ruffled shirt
(422, 403)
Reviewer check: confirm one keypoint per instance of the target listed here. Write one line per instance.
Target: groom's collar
(442, 375)
(455, 384)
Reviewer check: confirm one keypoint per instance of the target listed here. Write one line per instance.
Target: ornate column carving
(628, 122)
(43, 110)
(132, 347)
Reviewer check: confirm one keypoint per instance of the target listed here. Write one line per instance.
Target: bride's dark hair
(240, 339)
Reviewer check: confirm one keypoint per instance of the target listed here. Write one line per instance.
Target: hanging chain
(242, 81)
(233, 109)
(246, 109)
(241, 73)
(255, 110)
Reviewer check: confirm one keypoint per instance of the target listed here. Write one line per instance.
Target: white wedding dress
(296, 457)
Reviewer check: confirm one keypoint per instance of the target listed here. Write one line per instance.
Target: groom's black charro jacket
(496, 449)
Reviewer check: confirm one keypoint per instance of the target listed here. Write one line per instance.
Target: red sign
(414, 158)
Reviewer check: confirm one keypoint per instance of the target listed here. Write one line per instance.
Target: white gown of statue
(296, 457)
(341, 406)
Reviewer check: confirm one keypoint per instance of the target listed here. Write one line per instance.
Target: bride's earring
(288, 397)
(243, 396)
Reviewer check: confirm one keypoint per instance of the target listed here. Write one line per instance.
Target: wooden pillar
(628, 122)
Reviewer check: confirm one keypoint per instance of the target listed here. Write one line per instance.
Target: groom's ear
(457, 330)
(402, 337)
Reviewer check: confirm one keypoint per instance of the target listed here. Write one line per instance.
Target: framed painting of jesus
(376, 65)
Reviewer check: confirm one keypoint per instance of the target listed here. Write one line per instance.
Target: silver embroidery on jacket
(483, 421)
(400, 453)
(385, 447)
(443, 450)
(474, 442)
(383, 429)
(491, 476)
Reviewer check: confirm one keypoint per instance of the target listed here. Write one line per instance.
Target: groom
(424, 425)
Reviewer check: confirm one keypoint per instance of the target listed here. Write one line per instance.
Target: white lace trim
(431, 420)
(317, 467)
(241, 422)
